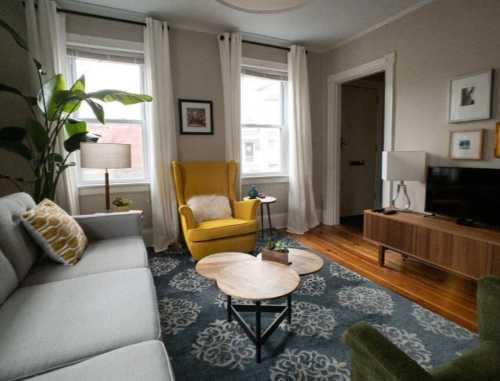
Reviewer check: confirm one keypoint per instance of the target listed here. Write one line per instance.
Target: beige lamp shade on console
(105, 156)
(403, 166)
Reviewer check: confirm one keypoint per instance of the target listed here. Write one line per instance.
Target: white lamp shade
(105, 155)
(403, 165)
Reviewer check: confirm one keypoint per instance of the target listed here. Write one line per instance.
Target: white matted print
(466, 145)
(196, 117)
(470, 97)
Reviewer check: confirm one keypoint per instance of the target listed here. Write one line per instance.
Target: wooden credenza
(471, 252)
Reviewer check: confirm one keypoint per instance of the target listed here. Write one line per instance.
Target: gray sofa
(97, 320)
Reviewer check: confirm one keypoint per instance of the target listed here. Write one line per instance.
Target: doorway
(361, 146)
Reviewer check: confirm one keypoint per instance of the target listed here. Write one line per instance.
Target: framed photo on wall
(470, 97)
(466, 145)
(196, 117)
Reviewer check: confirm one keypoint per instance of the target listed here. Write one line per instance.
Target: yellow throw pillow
(59, 235)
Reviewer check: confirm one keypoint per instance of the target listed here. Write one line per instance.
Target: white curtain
(230, 59)
(302, 214)
(161, 123)
(47, 43)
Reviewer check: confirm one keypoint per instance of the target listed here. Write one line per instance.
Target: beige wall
(440, 41)
(15, 70)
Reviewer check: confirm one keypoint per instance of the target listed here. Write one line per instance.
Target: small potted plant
(276, 251)
(122, 204)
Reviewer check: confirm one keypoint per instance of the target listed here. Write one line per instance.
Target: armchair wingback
(238, 233)
(376, 358)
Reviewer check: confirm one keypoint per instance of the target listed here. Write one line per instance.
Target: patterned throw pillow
(59, 235)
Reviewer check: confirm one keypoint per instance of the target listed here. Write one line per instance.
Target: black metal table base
(257, 336)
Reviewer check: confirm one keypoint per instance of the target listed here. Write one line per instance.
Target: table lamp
(105, 156)
(403, 166)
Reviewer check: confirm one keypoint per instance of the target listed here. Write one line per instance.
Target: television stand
(468, 251)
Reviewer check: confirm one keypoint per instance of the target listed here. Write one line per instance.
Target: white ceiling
(319, 24)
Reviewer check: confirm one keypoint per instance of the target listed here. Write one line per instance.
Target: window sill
(95, 189)
(251, 180)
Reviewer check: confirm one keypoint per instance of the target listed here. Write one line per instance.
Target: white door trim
(332, 153)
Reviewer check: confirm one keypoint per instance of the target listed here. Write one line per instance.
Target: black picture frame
(185, 128)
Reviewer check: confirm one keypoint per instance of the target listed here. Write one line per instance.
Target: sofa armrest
(110, 225)
(376, 358)
(187, 217)
(246, 210)
(488, 306)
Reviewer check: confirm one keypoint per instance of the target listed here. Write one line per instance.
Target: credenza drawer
(463, 255)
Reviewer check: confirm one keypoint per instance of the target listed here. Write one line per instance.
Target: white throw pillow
(213, 207)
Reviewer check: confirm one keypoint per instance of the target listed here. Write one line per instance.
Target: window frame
(264, 66)
(122, 49)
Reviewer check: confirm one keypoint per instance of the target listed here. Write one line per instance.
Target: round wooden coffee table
(241, 276)
(212, 264)
(302, 261)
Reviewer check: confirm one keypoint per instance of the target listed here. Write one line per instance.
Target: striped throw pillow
(59, 235)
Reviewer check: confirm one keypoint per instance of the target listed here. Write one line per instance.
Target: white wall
(440, 41)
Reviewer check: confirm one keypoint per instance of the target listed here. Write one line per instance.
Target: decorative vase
(124, 208)
(253, 192)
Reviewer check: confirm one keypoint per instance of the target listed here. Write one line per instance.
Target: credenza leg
(381, 255)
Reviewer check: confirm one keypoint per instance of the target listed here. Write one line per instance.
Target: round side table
(268, 200)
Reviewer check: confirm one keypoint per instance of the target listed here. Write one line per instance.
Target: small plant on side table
(122, 204)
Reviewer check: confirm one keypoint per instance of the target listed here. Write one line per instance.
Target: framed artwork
(466, 145)
(470, 97)
(497, 144)
(196, 117)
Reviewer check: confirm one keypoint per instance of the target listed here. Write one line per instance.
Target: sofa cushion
(15, 242)
(56, 324)
(8, 278)
(56, 232)
(216, 229)
(144, 361)
(100, 256)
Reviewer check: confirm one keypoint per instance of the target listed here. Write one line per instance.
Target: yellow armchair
(238, 233)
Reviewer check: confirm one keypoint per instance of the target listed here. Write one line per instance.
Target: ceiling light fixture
(263, 6)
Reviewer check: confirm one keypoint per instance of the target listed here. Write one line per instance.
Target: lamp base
(401, 198)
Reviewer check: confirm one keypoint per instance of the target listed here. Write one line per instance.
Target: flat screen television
(471, 195)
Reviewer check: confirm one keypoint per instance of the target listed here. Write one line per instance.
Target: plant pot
(275, 256)
(125, 208)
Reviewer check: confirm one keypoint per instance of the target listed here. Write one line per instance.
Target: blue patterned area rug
(204, 346)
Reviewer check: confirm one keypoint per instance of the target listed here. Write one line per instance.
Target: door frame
(386, 64)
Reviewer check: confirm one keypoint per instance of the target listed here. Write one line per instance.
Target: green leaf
(119, 96)
(12, 134)
(16, 147)
(50, 94)
(71, 98)
(73, 143)
(74, 127)
(37, 134)
(17, 38)
(97, 109)
(56, 157)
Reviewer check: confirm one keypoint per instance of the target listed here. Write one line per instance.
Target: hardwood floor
(446, 294)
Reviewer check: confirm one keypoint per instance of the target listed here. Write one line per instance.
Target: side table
(268, 200)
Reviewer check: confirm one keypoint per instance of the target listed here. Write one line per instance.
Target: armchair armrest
(376, 358)
(246, 210)
(110, 225)
(478, 364)
(187, 217)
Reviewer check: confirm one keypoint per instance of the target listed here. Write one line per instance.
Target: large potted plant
(52, 114)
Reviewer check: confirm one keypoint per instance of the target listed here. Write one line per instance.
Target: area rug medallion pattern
(204, 346)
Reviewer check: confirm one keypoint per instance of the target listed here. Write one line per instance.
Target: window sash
(121, 57)
(282, 127)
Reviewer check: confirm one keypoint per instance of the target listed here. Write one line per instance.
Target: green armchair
(376, 358)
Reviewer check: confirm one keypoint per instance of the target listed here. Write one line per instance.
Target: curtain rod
(264, 44)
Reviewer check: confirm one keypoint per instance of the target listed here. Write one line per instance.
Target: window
(124, 124)
(263, 118)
